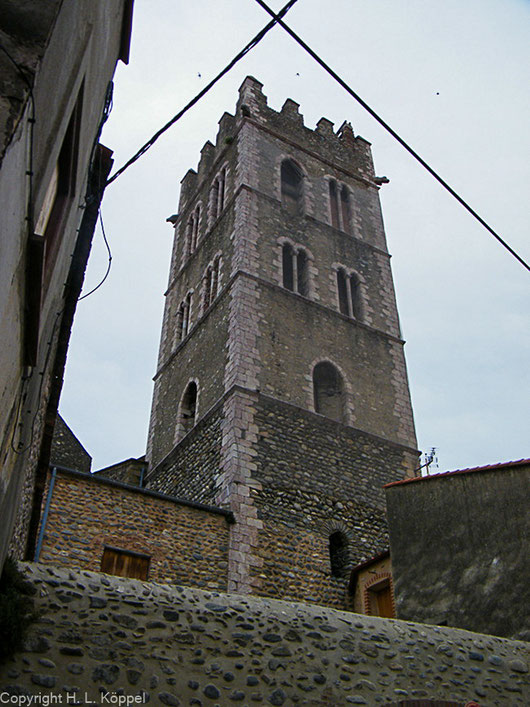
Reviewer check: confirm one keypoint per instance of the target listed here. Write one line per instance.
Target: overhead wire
(392, 132)
(98, 193)
(246, 49)
(109, 263)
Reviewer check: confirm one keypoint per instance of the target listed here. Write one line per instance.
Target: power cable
(248, 47)
(392, 132)
(109, 264)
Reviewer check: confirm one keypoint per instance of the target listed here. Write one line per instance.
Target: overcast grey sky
(452, 77)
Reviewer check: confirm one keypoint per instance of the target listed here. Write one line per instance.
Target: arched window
(193, 231)
(294, 270)
(195, 228)
(207, 288)
(183, 318)
(338, 553)
(287, 266)
(342, 287)
(188, 408)
(189, 236)
(334, 203)
(345, 209)
(211, 283)
(355, 294)
(218, 194)
(328, 390)
(292, 186)
(301, 273)
(339, 204)
(349, 291)
(215, 277)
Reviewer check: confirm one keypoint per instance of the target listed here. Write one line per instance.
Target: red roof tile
(489, 467)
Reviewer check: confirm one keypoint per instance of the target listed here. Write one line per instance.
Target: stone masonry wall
(262, 338)
(129, 471)
(104, 638)
(201, 358)
(191, 469)
(296, 335)
(67, 450)
(186, 544)
(317, 476)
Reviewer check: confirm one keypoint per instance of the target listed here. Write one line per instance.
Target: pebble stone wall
(108, 640)
(185, 543)
(317, 476)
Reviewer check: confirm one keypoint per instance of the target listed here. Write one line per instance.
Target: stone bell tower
(281, 390)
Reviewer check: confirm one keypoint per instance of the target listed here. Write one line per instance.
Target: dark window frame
(109, 550)
(292, 186)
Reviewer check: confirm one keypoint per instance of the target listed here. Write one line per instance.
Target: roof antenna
(428, 459)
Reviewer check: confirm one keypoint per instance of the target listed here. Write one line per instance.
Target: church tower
(281, 390)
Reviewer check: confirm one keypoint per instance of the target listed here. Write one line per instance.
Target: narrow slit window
(195, 228)
(183, 318)
(208, 288)
(334, 204)
(355, 293)
(345, 209)
(218, 195)
(189, 236)
(222, 190)
(349, 294)
(187, 314)
(338, 554)
(301, 272)
(215, 199)
(188, 409)
(215, 278)
(342, 287)
(180, 322)
(287, 265)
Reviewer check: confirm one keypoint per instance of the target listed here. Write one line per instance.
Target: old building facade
(281, 391)
(57, 60)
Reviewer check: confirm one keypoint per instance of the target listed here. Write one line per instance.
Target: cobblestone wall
(316, 477)
(190, 471)
(100, 638)
(185, 544)
(67, 450)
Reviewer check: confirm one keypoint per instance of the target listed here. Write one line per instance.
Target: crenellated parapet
(342, 147)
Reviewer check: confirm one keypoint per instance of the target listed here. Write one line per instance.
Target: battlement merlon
(207, 159)
(344, 145)
(348, 149)
(225, 134)
(188, 185)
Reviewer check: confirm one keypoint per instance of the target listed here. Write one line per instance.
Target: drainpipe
(45, 516)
